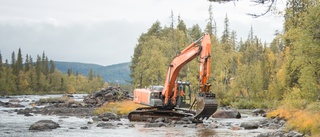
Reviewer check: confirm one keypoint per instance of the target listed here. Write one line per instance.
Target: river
(14, 125)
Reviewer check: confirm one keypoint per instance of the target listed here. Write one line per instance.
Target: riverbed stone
(258, 112)
(109, 115)
(249, 125)
(293, 134)
(15, 100)
(106, 125)
(227, 114)
(84, 127)
(27, 114)
(159, 124)
(160, 119)
(44, 125)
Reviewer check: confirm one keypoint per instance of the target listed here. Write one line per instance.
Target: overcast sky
(105, 32)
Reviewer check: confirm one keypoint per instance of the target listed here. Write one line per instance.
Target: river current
(14, 125)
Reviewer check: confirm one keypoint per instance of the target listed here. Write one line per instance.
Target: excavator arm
(188, 54)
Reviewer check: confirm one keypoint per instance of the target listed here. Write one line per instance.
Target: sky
(105, 32)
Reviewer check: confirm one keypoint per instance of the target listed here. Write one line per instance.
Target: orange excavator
(165, 101)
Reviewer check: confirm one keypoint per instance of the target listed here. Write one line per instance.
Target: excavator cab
(184, 94)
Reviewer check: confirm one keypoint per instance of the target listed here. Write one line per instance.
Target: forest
(23, 77)
(283, 76)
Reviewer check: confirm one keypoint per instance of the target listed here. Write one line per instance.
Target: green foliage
(244, 104)
(37, 78)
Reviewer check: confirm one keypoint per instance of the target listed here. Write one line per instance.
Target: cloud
(102, 43)
(106, 32)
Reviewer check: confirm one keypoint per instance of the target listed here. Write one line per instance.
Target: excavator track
(206, 106)
(152, 113)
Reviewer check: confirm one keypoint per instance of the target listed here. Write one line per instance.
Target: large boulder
(249, 125)
(109, 115)
(258, 112)
(106, 125)
(227, 114)
(44, 125)
(159, 124)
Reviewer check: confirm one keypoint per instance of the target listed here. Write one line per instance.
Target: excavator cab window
(155, 95)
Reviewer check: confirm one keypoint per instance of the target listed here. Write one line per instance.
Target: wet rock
(119, 124)
(14, 100)
(108, 96)
(201, 125)
(235, 128)
(249, 125)
(181, 122)
(73, 105)
(95, 119)
(85, 127)
(192, 126)
(10, 105)
(293, 134)
(160, 124)
(149, 119)
(130, 125)
(227, 114)
(89, 122)
(2, 103)
(106, 125)
(257, 112)
(272, 134)
(160, 119)
(109, 115)
(282, 122)
(105, 119)
(212, 125)
(44, 125)
(28, 115)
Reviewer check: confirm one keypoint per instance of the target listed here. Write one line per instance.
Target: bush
(119, 108)
(243, 104)
(62, 99)
(306, 121)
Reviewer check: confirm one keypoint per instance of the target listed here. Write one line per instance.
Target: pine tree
(19, 63)
(13, 63)
(52, 66)
(70, 72)
(211, 25)
(27, 64)
(90, 74)
(181, 25)
(38, 74)
(1, 64)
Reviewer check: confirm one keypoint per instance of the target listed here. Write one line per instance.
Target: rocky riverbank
(230, 122)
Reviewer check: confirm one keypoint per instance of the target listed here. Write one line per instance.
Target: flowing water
(14, 125)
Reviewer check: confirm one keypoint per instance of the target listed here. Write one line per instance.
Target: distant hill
(117, 73)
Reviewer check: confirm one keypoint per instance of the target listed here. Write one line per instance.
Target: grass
(120, 108)
(246, 104)
(62, 99)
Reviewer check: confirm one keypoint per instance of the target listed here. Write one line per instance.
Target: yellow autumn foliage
(302, 120)
(120, 108)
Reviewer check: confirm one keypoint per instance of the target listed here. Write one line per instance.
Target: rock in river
(227, 114)
(109, 115)
(249, 125)
(44, 125)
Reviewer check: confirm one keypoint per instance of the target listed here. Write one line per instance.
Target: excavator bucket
(206, 106)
